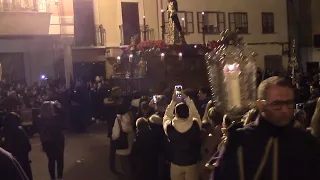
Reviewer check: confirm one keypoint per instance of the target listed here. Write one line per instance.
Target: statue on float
(175, 32)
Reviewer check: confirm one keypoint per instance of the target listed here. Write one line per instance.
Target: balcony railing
(145, 34)
(27, 5)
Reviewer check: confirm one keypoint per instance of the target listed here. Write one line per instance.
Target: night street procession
(159, 90)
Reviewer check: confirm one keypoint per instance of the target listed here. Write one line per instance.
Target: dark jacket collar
(269, 128)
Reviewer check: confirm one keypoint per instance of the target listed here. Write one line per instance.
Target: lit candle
(162, 56)
(130, 57)
(180, 56)
(119, 60)
(183, 24)
(163, 24)
(203, 19)
(232, 72)
(144, 29)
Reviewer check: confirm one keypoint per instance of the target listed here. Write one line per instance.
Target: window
(267, 23)
(211, 22)
(186, 20)
(238, 21)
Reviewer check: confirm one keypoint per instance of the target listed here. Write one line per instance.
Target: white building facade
(263, 23)
(33, 35)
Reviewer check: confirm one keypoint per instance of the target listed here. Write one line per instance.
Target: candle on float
(130, 57)
(162, 56)
(232, 72)
(144, 21)
(180, 56)
(119, 60)
(183, 24)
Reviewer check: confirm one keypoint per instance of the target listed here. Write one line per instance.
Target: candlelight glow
(131, 55)
(231, 67)
(162, 10)
(118, 57)
(144, 17)
(202, 13)
(182, 19)
(180, 54)
(162, 54)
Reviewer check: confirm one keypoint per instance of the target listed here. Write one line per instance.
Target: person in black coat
(271, 148)
(16, 141)
(10, 168)
(52, 138)
(143, 153)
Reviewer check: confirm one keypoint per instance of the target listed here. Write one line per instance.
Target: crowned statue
(175, 33)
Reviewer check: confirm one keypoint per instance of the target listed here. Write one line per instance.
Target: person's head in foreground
(276, 101)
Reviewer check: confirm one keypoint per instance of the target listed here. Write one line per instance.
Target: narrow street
(86, 156)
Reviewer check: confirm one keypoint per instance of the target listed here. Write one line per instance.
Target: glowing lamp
(130, 57)
(180, 56)
(119, 60)
(232, 74)
(162, 56)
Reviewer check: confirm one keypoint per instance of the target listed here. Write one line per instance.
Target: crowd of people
(177, 134)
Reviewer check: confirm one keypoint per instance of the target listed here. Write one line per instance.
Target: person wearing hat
(182, 125)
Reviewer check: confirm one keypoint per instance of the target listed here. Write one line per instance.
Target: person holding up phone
(182, 125)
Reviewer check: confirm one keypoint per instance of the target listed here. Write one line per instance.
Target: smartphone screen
(154, 99)
(178, 89)
(300, 106)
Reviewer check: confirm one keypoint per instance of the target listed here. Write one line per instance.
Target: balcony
(145, 33)
(25, 17)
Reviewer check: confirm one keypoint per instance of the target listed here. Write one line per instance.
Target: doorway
(13, 69)
(273, 62)
(312, 68)
(87, 71)
(130, 21)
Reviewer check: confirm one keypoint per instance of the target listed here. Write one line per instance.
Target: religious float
(161, 64)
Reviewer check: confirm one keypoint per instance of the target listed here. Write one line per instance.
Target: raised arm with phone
(182, 125)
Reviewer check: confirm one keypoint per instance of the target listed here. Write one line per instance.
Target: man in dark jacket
(271, 148)
(10, 168)
(183, 131)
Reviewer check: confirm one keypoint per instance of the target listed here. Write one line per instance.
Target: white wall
(39, 56)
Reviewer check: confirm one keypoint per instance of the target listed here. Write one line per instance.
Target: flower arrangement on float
(138, 53)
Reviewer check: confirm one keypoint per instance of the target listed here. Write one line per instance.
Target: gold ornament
(232, 74)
